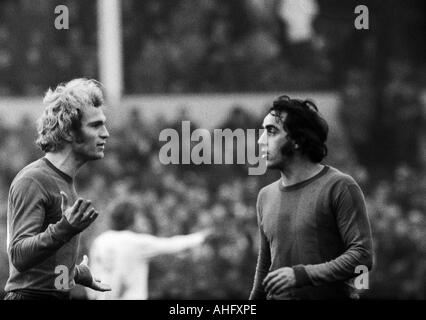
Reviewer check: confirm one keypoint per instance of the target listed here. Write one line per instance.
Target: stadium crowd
(185, 198)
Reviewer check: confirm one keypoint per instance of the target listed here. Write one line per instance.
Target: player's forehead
(274, 119)
(93, 114)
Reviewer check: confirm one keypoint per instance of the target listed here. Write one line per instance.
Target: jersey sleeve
(353, 224)
(263, 260)
(28, 243)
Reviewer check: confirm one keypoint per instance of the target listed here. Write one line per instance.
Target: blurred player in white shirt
(121, 256)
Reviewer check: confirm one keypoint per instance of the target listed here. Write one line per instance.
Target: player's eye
(97, 124)
(271, 131)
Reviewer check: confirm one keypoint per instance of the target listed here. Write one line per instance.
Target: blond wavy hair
(63, 111)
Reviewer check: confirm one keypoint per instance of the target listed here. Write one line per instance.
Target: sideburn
(79, 136)
(288, 149)
(76, 128)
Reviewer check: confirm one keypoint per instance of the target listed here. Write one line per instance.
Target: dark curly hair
(303, 124)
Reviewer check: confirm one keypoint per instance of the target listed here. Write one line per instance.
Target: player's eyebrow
(270, 126)
(97, 122)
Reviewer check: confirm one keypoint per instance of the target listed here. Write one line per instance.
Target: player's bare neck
(65, 161)
(298, 171)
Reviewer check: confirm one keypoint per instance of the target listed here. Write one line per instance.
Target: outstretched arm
(151, 246)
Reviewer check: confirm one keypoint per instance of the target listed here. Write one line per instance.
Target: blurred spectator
(121, 255)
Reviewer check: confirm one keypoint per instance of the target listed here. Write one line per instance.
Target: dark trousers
(19, 295)
(14, 296)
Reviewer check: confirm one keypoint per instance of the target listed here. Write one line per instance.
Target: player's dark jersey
(320, 228)
(42, 246)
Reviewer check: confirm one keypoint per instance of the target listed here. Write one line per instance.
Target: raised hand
(85, 277)
(80, 215)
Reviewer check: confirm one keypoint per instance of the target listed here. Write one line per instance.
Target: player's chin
(98, 155)
(271, 164)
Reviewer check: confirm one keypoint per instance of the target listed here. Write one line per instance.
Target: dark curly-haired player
(314, 228)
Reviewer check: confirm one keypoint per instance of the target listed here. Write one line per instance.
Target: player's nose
(104, 133)
(262, 138)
